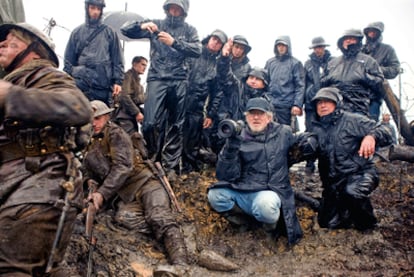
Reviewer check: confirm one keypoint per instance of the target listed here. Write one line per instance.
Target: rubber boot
(175, 246)
(402, 153)
(238, 218)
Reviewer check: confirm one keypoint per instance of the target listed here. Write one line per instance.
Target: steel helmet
(100, 108)
(35, 33)
(100, 3)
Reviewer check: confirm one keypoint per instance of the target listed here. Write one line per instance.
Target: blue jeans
(264, 205)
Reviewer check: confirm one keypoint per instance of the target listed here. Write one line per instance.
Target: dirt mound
(385, 251)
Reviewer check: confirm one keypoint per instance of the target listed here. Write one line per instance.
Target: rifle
(90, 217)
(166, 184)
(69, 187)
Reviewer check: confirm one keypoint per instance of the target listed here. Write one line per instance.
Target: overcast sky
(260, 21)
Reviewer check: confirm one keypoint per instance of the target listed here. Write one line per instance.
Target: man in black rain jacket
(173, 43)
(346, 145)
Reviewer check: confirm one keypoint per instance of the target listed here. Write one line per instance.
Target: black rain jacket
(262, 164)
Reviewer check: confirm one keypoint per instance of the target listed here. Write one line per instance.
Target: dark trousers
(164, 120)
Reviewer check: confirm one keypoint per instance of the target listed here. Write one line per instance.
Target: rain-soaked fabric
(347, 178)
(27, 233)
(128, 177)
(41, 95)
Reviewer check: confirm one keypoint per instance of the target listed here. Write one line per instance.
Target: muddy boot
(238, 218)
(402, 153)
(167, 271)
(175, 246)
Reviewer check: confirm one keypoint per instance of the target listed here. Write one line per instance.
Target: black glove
(233, 144)
(358, 190)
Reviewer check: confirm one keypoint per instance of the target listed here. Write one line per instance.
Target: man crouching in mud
(253, 174)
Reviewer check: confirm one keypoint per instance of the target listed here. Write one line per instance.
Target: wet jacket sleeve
(299, 80)
(382, 134)
(71, 57)
(191, 47)
(120, 152)
(391, 64)
(214, 99)
(373, 75)
(55, 100)
(228, 166)
(117, 59)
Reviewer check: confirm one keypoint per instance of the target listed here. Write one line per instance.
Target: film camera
(230, 128)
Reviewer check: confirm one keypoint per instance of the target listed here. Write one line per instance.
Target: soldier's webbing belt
(13, 151)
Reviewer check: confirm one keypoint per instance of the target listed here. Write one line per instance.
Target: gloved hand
(233, 144)
(358, 190)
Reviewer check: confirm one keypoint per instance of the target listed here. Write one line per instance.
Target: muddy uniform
(35, 160)
(110, 160)
(130, 99)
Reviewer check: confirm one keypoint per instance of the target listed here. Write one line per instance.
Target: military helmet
(243, 41)
(100, 108)
(329, 93)
(100, 3)
(32, 32)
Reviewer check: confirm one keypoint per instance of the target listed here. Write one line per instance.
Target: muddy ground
(388, 250)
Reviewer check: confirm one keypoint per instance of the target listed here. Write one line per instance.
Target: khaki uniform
(112, 161)
(38, 125)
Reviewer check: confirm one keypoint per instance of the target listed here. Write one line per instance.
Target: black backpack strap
(91, 37)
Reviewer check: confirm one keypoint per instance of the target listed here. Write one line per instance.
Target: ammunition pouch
(35, 142)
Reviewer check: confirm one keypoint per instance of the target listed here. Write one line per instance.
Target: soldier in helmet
(120, 173)
(355, 74)
(173, 43)
(347, 142)
(93, 56)
(41, 109)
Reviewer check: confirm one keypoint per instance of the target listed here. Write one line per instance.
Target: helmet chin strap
(20, 57)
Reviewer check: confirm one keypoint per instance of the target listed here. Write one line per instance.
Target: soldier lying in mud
(123, 177)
